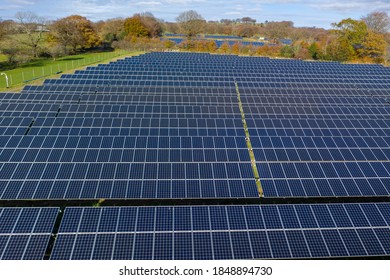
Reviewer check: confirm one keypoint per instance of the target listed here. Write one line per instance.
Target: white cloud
(355, 5)
(148, 3)
(185, 2)
(16, 4)
(232, 13)
(294, 10)
(20, 2)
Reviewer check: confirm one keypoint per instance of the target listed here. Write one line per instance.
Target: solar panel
(224, 232)
(25, 232)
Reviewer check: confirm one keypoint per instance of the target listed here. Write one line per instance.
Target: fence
(23, 75)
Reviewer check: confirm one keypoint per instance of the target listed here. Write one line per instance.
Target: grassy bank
(45, 68)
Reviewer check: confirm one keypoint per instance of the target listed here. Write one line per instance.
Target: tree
(143, 25)
(248, 20)
(7, 27)
(339, 49)
(374, 46)
(350, 38)
(171, 27)
(245, 30)
(314, 50)
(3, 30)
(134, 27)
(33, 27)
(74, 32)
(378, 22)
(212, 46)
(278, 30)
(226, 21)
(224, 48)
(302, 52)
(191, 23)
(236, 48)
(356, 40)
(112, 30)
(151, 23)
(12, 50)
(287, 51)
(351, 30)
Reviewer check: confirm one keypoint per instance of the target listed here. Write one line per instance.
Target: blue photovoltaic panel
(225, 232)
(25, 232)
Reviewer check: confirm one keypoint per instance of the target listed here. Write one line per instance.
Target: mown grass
(3, 58)
(249, 146)
(44, 68)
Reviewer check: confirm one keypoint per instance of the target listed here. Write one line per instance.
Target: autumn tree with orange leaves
(74, 32)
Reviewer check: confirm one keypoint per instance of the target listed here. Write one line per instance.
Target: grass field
(44, 68)
(3, 58)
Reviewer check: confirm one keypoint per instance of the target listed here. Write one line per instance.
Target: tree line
(358, 40)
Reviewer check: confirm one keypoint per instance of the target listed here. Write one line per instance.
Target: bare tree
(191, 23)
(33, 27)
(378, 22)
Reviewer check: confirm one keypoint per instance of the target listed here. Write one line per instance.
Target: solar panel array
(219, 40)
(184, 127)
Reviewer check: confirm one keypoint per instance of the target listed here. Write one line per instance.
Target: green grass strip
(45, 68)
(249, 144)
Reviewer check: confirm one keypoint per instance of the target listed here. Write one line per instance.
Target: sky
(308, 13)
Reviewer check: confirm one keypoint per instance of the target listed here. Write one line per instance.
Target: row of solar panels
(225, 78)
(154, 74)
(219, 43)
(238, 60)
(23, 153)
(86, 90)
(152, 116)
(163, 120)
(221, 84)
(194, 68)
(124, 155)
(191, 70)
(197, 232)
(156, 56)
(154, 104)
(205, 58)
(175, 132)
(172, 74)
(22, 102)
(353, 178)
(166, 142)
(162, 110)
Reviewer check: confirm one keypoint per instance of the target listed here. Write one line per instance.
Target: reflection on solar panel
(184, 126)
(25, 232)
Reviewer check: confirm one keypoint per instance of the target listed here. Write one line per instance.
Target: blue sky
(319, 13)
